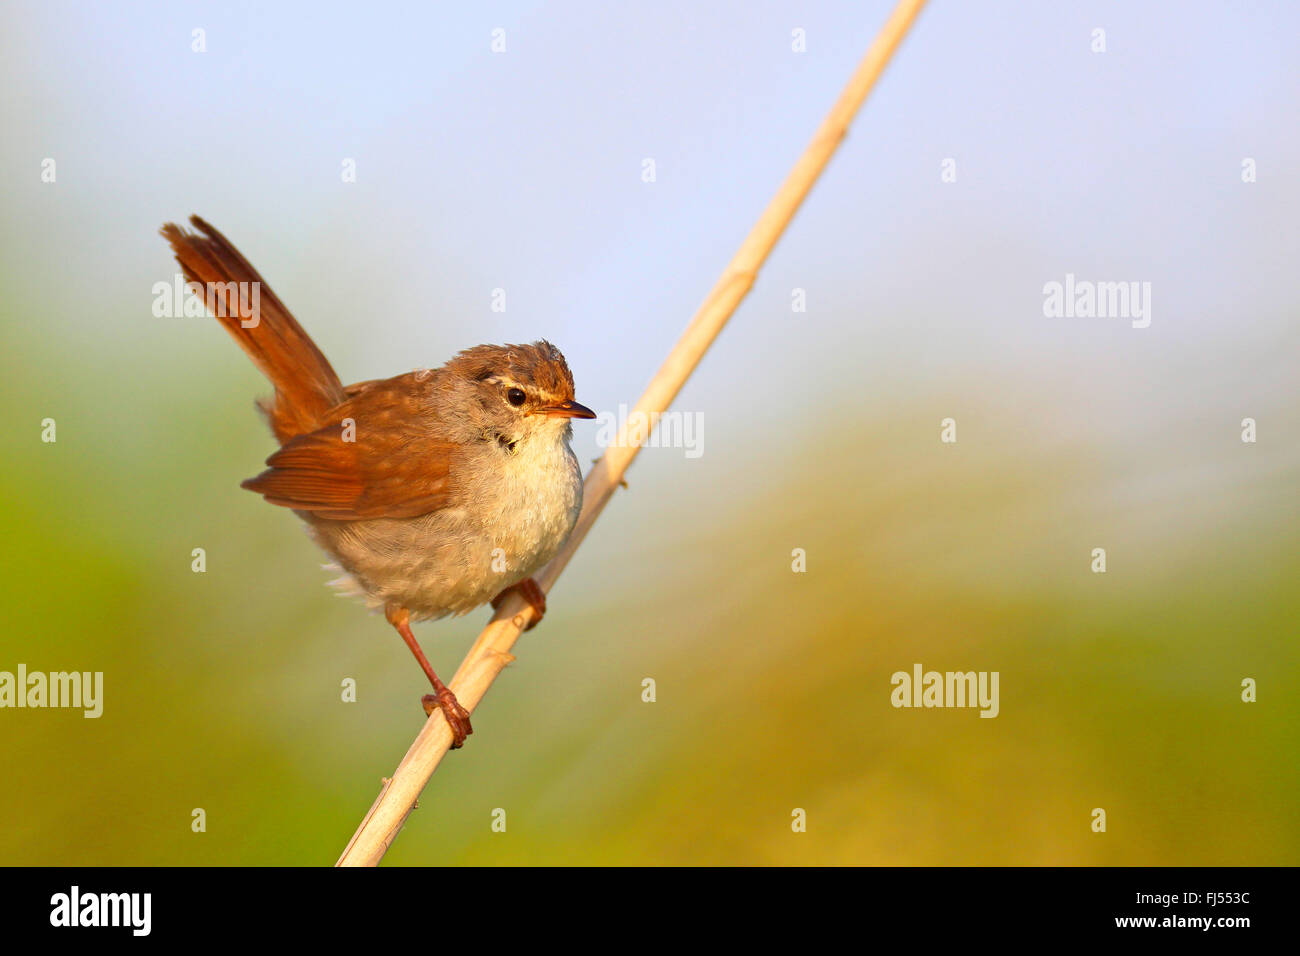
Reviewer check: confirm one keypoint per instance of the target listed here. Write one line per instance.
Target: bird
(435, 491)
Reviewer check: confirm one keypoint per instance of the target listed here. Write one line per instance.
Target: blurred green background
(522, 171)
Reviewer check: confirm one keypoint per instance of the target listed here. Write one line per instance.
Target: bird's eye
(516, 397)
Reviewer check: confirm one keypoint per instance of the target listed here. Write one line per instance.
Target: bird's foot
(531, 592)
(457, 716)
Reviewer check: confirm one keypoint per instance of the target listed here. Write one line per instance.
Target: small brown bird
(434, 490)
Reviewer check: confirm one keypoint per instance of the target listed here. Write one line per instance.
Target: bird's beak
(565, 410)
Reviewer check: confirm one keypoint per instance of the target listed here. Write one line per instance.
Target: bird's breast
(532, 502)
(512, 513)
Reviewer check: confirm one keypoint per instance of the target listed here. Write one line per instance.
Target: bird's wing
(380, 456)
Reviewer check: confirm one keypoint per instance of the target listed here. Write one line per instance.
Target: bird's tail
(306, 386)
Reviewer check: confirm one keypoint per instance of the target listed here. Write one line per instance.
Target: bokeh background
(522, 170)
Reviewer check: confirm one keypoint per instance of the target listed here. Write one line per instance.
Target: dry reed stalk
(491, 652)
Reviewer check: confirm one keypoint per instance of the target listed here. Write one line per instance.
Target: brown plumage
(433, 490)
(306, 386)
(391, 468)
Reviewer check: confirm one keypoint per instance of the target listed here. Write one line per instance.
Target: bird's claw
(531, 592)
(457, 716)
